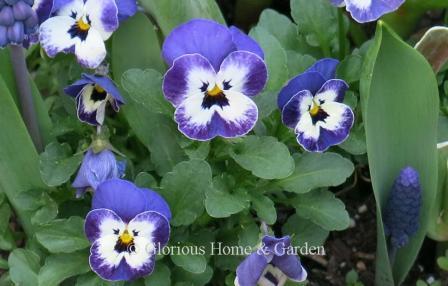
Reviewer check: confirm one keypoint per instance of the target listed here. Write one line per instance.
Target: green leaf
(171, 13)
(160, 277)
(356, 142)
(23, 267)
(317, 20)
(143, 86)
(281, 27)
(136, 45)
(264, 156)
(264, 207)
(184, 189)
(59, 267)
(442, 262)
(16, 148)
(186, 278)
(91, 279)
(305, 232)
(63, 235)
(57, 164)
(322, 208)
(192, 262)
(316, 170)
(221, 204)
(145, 180)
(350, 68)
(400, 111)
(275, 57)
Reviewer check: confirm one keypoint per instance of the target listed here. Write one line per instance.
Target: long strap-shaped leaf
(400, 108)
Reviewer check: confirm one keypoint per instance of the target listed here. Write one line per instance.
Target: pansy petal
(332, 90)
(298, 105)
(95, 169)
(156, 203)
(188, 76)
(152, 226)
(102, 222)
(338, 3)
(245, 43)
(199, 36)
(121, 196)
(233, 117)
(337, 125)
(43, 9)
(308, 133)
(54, 36)
(68, 8)
(311, 81)
(107, 263)
(250, 270)
(107, 84)
(126, 9)
(371, 10)
(91, 51)
(326, 67)
(290, 265)
(87, 107)
(103, 15)
(75, 88)
(274, 245)
(243, 72)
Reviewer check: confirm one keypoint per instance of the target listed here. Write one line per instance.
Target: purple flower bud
(22, 11)
(16, 33)
(11, 2)
(3, 36)
(31, 24)
(401, 216)
(2, 4)
(6, 16)
(95, 169)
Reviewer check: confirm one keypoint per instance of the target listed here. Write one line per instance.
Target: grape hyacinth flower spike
(311, 104)
(402, 213)
(92, 93)
(80, 27)
(271, 265)
(19, 20)
(368, 10)
(214, 72)
(126, 226)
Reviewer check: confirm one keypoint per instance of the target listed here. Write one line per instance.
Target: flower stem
(342, 35)
(264, 228)
(25, 96)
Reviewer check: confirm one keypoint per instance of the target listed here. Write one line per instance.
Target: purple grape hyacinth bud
(6, 16)
(401, 216)
(16, 33)
(22, 11)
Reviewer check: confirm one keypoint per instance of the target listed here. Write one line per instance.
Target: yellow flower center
(315, 109)
(126, 238)
(83, 26)
(215, 91)
(99, 89)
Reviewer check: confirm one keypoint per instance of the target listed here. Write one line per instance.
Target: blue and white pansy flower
(368, 10)
(80, 27)
(311, 104)
(126, 226)
(214, 72)
(271, 265)
(92, 93)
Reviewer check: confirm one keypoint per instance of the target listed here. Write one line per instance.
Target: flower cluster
(126, 226)
(311, 104)
(270, 265)
(214, 72)
(19, 20)
(368, 10)
(402, 213)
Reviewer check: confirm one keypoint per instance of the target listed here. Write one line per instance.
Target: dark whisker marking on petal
(135, 232)
(204, 86)
(226, 84)
(98, 94)
(116, 231)
(271, 278)
(219, 100)
(321, 115)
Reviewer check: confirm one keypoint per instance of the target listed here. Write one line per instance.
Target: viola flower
(19, 20)
(127, 225)
(214, 72)
(311, 104)
(92, 93)
(80, 27)
(368, 10)
(271, 265)
(401, 216)
(126, 9)
(95, 169)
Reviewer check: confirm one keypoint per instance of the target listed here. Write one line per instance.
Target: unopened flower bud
(22, 11)
(3, 36)
(6, 16)
(16, 33)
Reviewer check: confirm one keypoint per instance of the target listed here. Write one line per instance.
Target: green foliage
(394, 137)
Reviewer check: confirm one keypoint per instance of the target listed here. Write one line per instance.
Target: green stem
(342, 35)
(25, 96)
